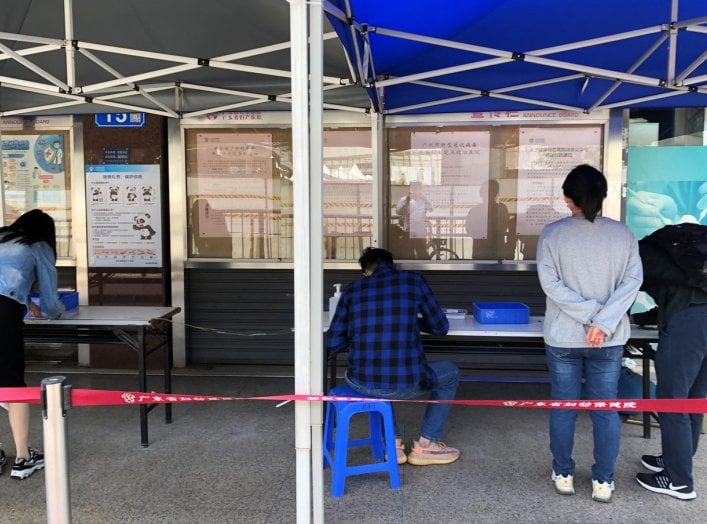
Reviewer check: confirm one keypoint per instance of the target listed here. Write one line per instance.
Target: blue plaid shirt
(377, 321)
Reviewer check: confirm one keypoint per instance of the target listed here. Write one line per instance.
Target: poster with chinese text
(545, 156)
(123, 216)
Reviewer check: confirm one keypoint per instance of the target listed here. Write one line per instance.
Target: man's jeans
(601, 368)
(435, 414)
(681, 372)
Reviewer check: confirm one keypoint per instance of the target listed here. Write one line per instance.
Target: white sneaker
(602, 491)
(564, 484)
(434, 453)
(400, 451)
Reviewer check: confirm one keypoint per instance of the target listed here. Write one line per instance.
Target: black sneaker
(653, 463)
(660, 483)
(3, 460)
(23, 468)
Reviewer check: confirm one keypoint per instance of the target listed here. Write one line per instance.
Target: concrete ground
(234, 462)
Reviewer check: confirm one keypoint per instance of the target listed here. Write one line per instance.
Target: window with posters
(666, 180)
(481, 192)
(239, 188)
(36, 174)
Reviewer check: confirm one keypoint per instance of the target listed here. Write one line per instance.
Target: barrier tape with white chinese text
(99, 397)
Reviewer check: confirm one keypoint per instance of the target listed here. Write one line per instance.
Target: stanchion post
(56, 400)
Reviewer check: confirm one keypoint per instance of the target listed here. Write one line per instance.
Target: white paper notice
(450, 168)
(124, 224)
(545, 157)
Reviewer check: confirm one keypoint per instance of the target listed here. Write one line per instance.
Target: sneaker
(400, 451)
(660, 483)
(3, 460)
(602, 491)
(564, 484)
(23, 468)
(434, 453)
(653, 463)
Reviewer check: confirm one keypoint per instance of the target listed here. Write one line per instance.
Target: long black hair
(34, 226)
(587, 188)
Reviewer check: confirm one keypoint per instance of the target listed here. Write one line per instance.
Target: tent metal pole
(221, 90)
(672, 44)
(34, 110)
(265, 50)
(131, 85)
(316, 266)
(48, 89)
(628, 103)
(492, 94)
(354, 29)
(502, 89)
(34, 51)
(689, 69)
(302, 238)
(31, 39)
(381, 192)
(631, 69)
(34, 68)
(69, 48)
(444, 71)
(695, 80)
(92, 88)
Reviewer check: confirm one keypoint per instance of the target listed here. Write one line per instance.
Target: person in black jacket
(680, 364)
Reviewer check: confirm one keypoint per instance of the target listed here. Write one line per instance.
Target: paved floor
(234, 462)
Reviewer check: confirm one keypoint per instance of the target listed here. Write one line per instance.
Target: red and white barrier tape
(100, 397)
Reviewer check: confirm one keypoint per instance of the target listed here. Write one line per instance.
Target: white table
(639, 344)
(128, 325)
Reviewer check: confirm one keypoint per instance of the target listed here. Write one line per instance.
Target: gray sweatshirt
(591, 273)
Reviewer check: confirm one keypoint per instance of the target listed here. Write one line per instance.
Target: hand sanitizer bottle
(334, 300)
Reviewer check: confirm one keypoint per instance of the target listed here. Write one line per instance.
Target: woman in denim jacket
(27, 254)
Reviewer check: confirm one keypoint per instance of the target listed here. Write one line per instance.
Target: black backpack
(687, 246)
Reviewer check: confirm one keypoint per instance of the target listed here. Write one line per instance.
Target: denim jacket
(21, 265)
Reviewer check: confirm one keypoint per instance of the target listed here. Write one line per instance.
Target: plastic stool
(380, 439)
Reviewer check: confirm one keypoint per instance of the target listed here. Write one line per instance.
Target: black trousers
(12, 344)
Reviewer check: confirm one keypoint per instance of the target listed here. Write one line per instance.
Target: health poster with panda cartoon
(123, 208)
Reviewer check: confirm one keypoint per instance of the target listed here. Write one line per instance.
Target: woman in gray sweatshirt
(590, 270)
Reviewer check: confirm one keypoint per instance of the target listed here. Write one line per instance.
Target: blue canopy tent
(494, 55)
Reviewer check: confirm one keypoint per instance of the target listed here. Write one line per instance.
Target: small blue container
(70, 299)
(501, 312)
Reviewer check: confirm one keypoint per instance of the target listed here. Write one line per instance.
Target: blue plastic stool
(380, 439)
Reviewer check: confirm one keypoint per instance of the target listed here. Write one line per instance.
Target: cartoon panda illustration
(113, 193)
(141, 223)
(132, 194)
(147, 193)
(96, 194)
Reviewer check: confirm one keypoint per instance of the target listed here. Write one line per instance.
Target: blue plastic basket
(70, 299)
(501, 312)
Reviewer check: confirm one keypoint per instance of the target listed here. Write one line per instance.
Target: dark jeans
(435, 414)
(681, 372)
(600, 368)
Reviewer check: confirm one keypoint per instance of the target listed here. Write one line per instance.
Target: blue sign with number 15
(120, 119)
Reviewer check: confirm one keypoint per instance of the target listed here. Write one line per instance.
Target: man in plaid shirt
(378, 320)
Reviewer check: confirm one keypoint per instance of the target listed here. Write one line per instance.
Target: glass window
(348, 189)
(239, 188)
(666, 181)
(36, 174)
(481, 192)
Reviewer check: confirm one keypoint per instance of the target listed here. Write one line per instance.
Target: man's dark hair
(33, 226)
(372, 257)
(587, 188)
